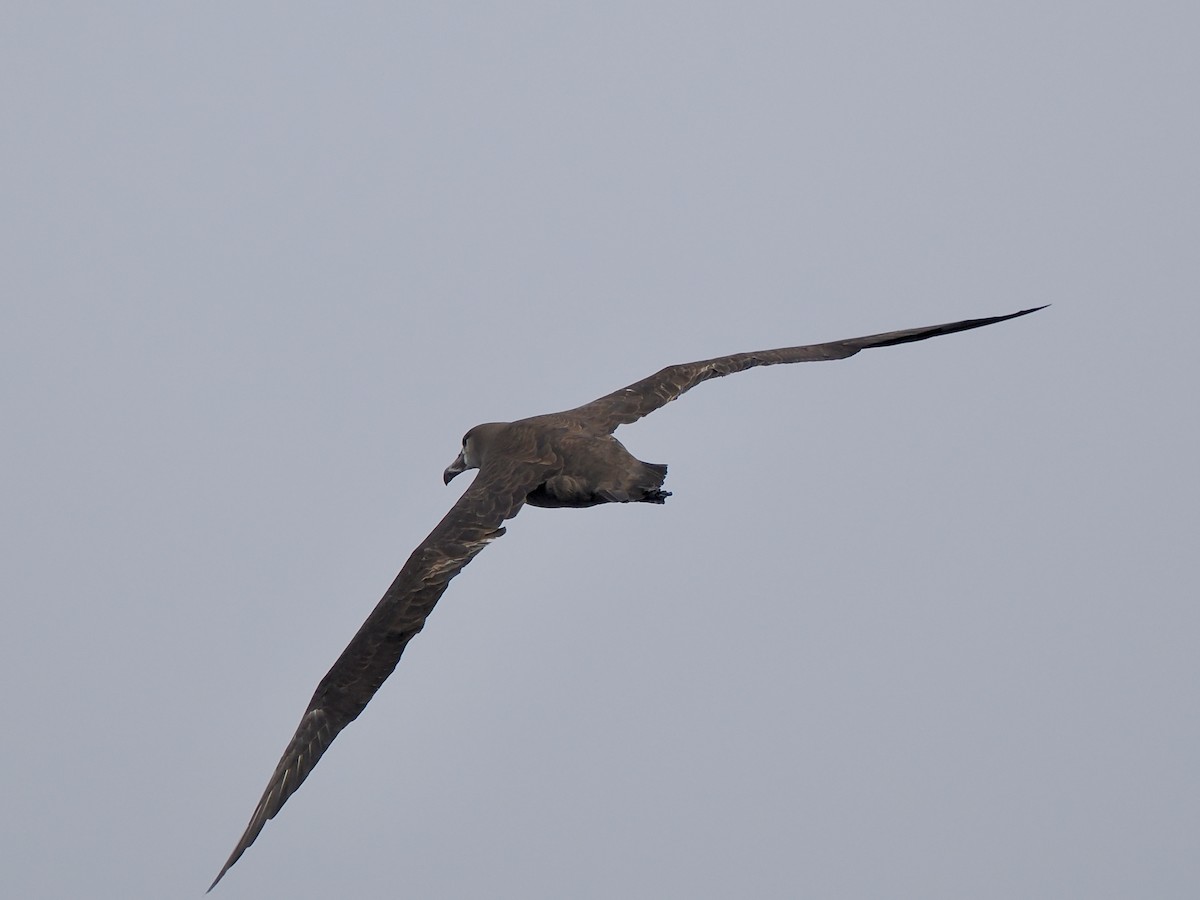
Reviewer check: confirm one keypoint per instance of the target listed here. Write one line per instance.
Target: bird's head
(475, 445)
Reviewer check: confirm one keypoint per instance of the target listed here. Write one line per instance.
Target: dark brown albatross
(561, 459)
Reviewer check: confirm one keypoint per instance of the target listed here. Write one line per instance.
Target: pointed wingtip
(234, 857)
(1020, 312)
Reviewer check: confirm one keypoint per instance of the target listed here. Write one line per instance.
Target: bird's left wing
(643, 397)
(497, 493)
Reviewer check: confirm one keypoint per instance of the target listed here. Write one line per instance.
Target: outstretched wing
(643, 397)
(474, 521)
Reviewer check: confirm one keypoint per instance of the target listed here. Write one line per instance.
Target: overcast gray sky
(921, 624)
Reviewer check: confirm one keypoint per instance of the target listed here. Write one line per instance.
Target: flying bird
(561, 459)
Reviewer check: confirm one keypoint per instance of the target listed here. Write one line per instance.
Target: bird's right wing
(473, 522)
(643, 397)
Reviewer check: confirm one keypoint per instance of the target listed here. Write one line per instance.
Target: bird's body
(565, 459)
(590, 469)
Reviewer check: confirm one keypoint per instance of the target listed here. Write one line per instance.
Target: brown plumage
(561, 459)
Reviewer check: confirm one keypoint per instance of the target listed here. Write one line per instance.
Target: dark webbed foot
(655, 496)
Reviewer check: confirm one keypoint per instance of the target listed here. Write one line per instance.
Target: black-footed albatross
(561, 459)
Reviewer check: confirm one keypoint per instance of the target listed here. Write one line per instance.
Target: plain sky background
(923, 623)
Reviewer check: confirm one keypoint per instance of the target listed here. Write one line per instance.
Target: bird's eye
(464, 442)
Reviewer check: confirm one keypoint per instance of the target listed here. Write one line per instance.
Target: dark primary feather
(371, 656)
(643, 397)
(522, 457)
